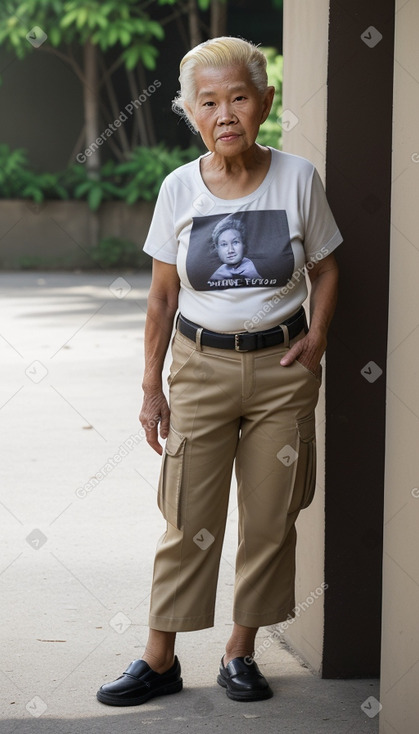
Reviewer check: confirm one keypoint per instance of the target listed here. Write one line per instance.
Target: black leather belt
(244, 341)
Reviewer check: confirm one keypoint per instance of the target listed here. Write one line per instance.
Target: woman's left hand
(308, 351)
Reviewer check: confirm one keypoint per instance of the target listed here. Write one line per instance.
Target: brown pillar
(358, 184)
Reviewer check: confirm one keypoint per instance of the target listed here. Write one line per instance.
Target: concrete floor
(76, 559)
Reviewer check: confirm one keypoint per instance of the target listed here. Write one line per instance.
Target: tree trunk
(194, 29)
(218, 21)
(91, 118)
(146, 107)
(91, 106)
(115, 108)
(139, 113)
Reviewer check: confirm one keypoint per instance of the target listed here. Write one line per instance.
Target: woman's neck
(233, 178)
(246, 162)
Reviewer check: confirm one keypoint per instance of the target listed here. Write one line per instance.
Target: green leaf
(156, 29)
(110, 189)
(133, 196)
(69, 19)
(112, 36)
(82, 18)
(132, 56)
(95, 197)
(100, 21)
(124, 37)
(32, 192)
(54, 36)
(107, 8)
(148, 55)
(82, 189)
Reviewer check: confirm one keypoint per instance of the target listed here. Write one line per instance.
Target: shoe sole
(249, 696)
(165, 690)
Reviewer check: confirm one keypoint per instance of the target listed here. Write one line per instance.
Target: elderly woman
(245, 373)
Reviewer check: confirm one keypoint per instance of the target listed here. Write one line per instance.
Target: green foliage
(103, 23)
(271, 132)
(113, 252)
(94, 189)
(12, 165)
(97, 26)
(138, 178)
(18, 181)
(147, 167)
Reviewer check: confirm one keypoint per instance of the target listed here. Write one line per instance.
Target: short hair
(217, 53)
(223, 226)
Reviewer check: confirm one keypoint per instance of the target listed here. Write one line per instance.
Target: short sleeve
(322, 235)
(161, 242)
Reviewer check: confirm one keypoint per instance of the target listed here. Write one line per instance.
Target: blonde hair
(217, 53)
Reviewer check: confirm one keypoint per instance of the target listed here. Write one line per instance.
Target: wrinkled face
(228, 109)
(230, 247)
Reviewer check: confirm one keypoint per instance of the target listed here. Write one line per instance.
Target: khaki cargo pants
(245, 407)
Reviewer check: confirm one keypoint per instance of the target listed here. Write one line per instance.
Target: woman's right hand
(154, 412)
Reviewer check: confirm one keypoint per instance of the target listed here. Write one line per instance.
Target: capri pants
(227, 407)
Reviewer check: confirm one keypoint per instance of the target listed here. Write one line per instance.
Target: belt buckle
(237, 342)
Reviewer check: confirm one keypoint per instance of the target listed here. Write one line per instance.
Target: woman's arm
(162, 305)
(324, 285)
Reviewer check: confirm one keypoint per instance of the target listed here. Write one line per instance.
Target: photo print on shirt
(246, 249)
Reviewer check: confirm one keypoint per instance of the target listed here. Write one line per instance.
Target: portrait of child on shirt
(229, 242)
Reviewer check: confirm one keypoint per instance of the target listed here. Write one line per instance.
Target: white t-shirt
(241, 261)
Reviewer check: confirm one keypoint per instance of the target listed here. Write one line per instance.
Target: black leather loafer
(243, 680)
(139, 683)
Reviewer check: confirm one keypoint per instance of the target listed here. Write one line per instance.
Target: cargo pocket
(170, 482)
(305, 475)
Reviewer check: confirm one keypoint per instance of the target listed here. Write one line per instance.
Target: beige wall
(305, 94)
(60, 234)
(400, 638)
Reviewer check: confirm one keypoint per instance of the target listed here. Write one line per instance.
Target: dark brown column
(358, 178)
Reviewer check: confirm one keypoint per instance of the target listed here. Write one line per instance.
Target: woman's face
(228, 109)
(230, 247)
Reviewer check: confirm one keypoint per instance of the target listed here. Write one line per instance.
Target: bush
(18, 181)
(147, 167)
(138, 178)
(113, 252)
(271, 132)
